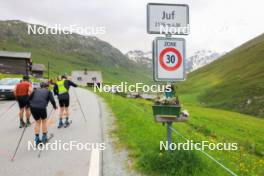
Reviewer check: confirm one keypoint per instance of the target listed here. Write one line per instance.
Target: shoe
(66, 123)
(37, 141)
(44, 138)
(60, 124)
(28, 123)
(22, 124)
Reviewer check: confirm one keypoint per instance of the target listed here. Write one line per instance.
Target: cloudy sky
(218, 25)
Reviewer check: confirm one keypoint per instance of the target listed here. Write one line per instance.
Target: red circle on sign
(176, 52)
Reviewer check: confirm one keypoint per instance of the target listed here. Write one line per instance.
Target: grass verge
(138, 133)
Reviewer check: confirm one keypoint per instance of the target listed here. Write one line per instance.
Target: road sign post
(169, 125)
(168, 53)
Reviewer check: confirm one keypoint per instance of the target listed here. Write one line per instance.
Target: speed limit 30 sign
(169, 59)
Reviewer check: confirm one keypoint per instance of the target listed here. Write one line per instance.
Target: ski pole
(51, 112)
(7, 110)
(14, 155)
(51, 115)
(80, 106)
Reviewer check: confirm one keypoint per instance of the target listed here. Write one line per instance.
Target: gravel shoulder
(115, 160)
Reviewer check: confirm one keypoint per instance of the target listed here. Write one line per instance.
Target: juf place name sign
(168, 19)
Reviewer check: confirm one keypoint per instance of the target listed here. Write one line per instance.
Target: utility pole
(48, 70)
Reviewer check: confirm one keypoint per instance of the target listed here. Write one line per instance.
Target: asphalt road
(83, 130)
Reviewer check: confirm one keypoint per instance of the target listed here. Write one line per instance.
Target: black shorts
(38, 113)
(22, 101)
(64, 102)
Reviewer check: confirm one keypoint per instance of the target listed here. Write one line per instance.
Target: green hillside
(234, 82)
(70, 52)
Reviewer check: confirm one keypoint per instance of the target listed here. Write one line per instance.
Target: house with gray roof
(38, 70)
(87, 78)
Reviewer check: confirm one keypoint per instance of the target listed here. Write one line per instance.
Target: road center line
(94, 167)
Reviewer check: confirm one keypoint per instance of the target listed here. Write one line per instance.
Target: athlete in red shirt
(22, 92)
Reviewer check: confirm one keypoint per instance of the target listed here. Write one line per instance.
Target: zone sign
(169, 59)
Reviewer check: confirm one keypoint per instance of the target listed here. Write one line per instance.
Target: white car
(7, 86)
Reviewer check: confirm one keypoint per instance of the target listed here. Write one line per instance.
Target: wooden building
(87, 78)
(15, 62)
(38, 70)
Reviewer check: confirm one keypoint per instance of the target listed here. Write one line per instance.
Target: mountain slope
(233, 82)
(69, 52)
(140, 57)
(200, 59)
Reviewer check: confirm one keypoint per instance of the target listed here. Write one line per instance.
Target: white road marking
(94, 167)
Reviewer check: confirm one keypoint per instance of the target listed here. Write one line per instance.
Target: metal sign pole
(169, 124)
(168, 35)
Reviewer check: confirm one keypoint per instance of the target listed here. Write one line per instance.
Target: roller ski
(44, 141)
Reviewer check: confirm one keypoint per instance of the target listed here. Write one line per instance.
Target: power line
(209, 156)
